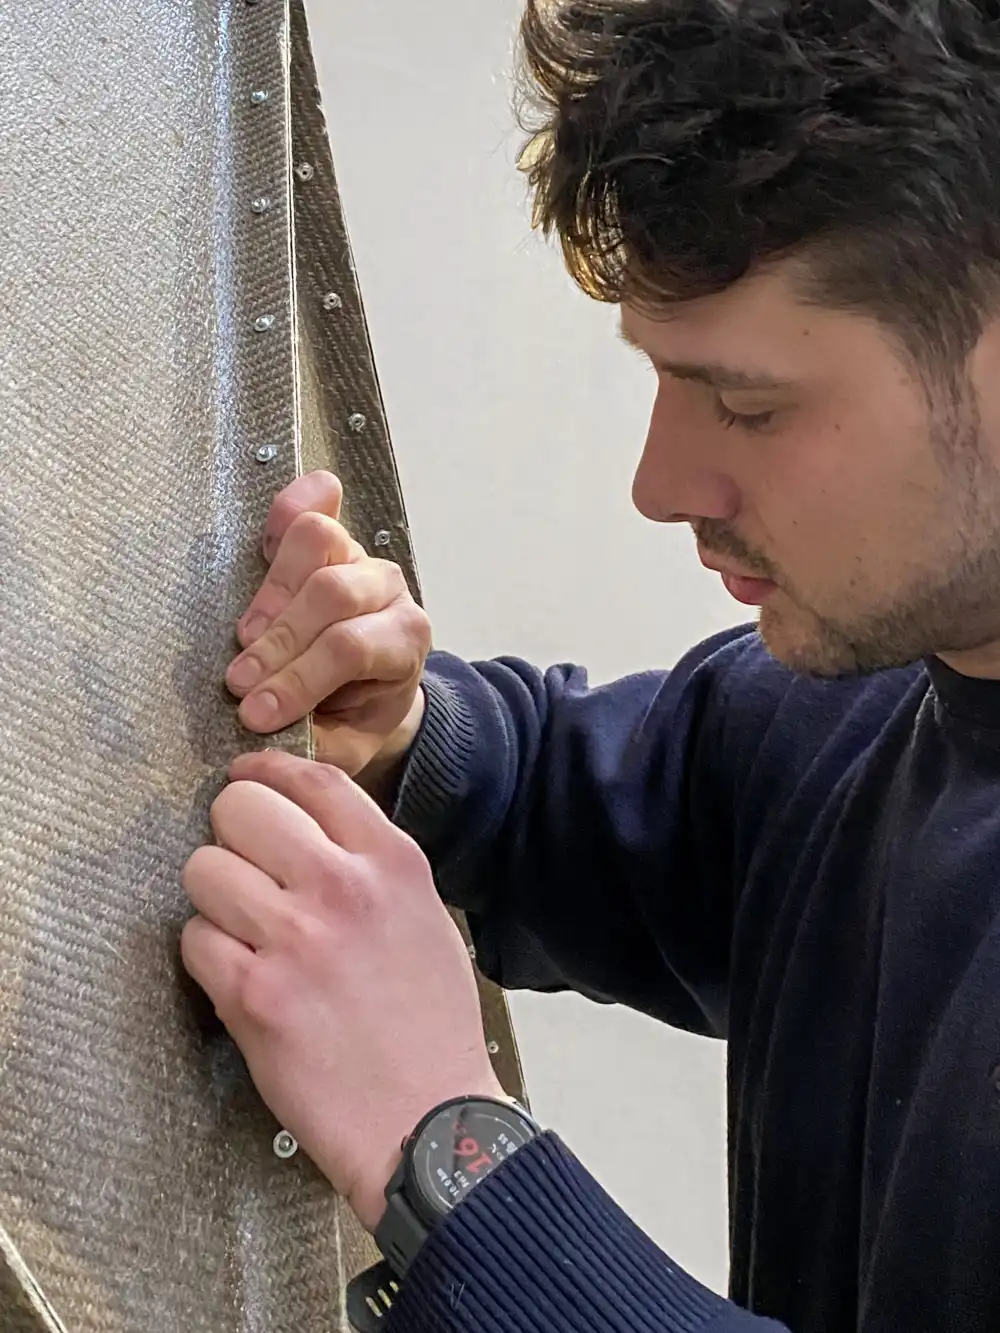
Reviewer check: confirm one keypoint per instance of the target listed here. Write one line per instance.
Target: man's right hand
(335, 632)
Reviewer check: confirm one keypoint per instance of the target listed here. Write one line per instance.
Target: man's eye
(749, 421)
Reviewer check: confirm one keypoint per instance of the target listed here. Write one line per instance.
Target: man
(792, 839)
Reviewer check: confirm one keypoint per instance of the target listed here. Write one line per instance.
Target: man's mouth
(751, 592)
(745, 588)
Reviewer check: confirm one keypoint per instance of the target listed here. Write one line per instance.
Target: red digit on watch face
(481, 1163)
(467, 1148)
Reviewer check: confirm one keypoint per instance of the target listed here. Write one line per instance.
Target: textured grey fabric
(138, 1186)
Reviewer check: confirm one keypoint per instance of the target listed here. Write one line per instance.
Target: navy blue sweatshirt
(809, 870)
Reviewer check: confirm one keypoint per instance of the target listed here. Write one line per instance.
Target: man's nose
(676, 480)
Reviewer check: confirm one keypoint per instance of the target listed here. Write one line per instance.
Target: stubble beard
(948, 603)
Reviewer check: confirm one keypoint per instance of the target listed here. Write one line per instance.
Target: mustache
(717, 538)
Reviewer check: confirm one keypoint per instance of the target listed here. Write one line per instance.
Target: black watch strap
(401, 1233)
(369, 1299)
(399, 1236)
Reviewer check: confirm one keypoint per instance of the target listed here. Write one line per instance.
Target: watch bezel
(430, 1211)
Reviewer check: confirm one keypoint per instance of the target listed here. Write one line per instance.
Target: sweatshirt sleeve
(579, 827)
(539, 1247)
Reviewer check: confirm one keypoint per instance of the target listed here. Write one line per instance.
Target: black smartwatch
(453, 1148)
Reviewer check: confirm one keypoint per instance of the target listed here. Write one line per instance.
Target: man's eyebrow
(715, 375)
(721, 377)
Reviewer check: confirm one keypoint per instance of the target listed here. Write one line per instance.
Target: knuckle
(403, 594)
(291, 687)
(319, 783)
(393, 576)
(335, 593)
(351, 883)
(416, 622)
(260, 996)
(322, 537)
(348, 643)
(304, 937)
(311, 527)
(278, 644)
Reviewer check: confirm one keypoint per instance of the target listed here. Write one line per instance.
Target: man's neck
(981, 663)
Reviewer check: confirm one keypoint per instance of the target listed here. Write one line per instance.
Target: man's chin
(803, 643)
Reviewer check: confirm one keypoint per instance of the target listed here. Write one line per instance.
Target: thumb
(316, 492)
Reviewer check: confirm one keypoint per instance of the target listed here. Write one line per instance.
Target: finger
(312, 542)
(215, 960)
(234, 895)
(319, 492)
(329, 595)
(272, 833)
(346, 815)
(365, 648)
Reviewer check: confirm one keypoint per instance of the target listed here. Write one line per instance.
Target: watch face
(461, 1145)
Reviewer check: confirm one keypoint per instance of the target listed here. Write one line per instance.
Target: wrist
(380, 776)
(367, 1199)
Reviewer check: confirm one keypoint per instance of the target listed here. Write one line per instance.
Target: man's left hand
(322, 942)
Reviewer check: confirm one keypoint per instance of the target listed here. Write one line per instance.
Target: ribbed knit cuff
(438, 764)
(539, 1247)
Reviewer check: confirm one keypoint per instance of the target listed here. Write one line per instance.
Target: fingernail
(245, 673)
(254, 628)
(259, 709)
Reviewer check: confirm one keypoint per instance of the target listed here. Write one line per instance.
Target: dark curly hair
(677, 145)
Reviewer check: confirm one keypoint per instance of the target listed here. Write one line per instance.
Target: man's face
(801, 447)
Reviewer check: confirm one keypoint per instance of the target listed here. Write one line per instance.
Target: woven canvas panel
(152, 215)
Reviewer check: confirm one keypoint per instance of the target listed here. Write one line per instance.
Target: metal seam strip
(339, 382)
(34, 1304)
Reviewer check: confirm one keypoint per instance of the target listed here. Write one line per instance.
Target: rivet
(261, 204)
(284, 1145)
(472, 952)
(259, 96)
(357, 421)
(305, 171)
(267, 453)
(493, 1047)
(331, 301)
(263, 322)
(383, 537)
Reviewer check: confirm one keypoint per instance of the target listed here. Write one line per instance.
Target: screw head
(305, 171)
(357, 421)
(261, 204)
(493, 1047)
(383, 537)
(266, 453)
(472, 952)
(259, 96)
(331, 301)
(263, 322)
(284, 1145)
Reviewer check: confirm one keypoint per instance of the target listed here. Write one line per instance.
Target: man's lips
(751, 592)
(743, 588)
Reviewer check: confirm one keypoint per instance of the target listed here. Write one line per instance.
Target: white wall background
(517, 420)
